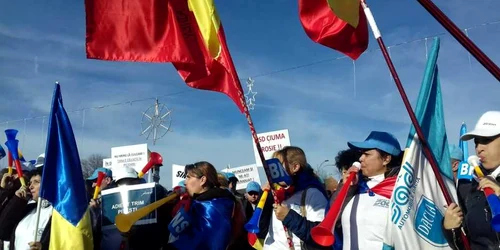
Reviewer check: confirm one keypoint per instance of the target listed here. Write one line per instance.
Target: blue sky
(321, 104)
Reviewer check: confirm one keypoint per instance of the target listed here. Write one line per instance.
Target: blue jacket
(210, 222)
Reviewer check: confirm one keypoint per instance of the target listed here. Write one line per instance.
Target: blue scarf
(304, 180)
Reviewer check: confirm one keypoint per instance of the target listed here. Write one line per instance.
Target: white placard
(245, 174)
(177, 174)
(133, 156)
(271, 142)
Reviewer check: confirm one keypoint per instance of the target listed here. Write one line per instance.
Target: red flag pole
(425, 146)
(235, 78)
(461, 37)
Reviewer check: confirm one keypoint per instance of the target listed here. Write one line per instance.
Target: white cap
(124, 172)
(40, 161)
(26, 166)
(487, 126)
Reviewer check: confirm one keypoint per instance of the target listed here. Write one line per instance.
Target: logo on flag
(428, 219)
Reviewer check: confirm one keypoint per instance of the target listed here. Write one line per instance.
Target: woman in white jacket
(365, 214)
(305, 191)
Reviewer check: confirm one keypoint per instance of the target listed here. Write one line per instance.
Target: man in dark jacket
(95, 204)
(148, 236)
(474, 215)
(252, 197)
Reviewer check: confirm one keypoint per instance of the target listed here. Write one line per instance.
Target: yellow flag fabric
(347, 10)
(66, 236)
(208, 21)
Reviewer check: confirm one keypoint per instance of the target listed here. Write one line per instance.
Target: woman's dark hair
(36, 171)
(346, 158)
(206, 169)
(394, 164)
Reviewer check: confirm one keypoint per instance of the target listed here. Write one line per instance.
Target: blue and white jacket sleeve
(315, 204)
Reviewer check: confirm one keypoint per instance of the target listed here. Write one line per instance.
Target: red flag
(385, 187)
(324, 27)
(185, 32)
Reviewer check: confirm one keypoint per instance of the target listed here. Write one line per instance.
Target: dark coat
(14, 211)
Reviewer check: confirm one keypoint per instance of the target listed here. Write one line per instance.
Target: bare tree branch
(93, 162)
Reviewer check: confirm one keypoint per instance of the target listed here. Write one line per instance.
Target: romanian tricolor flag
(187, 33)
(337, 24)
(63, 184)
(255, 241)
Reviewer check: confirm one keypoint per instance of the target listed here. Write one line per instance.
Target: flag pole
(243, 103)
(461, 37)
(425, 146)
(261, 155)
(38, 208)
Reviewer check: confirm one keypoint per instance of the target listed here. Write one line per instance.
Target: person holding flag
(473, 213)
(304, 199)
(18, 219)
(210, 218)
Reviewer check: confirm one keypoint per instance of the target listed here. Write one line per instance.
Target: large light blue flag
(417, 203)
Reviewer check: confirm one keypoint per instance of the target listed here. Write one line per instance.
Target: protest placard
(127, 199)
(178, 174)
(245, 174)
(271, 142)
(133, 156)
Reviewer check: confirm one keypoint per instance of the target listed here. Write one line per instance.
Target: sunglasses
(485, 140)
(190, 167)
(251, 193)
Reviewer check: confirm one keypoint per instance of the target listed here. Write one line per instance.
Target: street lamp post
(321, 165)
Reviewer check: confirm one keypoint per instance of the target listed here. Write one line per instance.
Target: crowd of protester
(218, 213)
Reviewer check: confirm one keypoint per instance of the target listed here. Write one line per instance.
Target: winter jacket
(477, 218)
(211, 222)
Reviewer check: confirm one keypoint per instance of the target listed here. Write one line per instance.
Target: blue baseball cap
(253, 187)
(456, 153)
(96, 173)
(229, 175)
(378, 140)
(182, 183)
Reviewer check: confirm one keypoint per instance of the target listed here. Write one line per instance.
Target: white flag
(417, 205)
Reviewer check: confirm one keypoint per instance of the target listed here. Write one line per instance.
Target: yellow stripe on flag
(347, 10)
(208, 21)
(64, 235)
